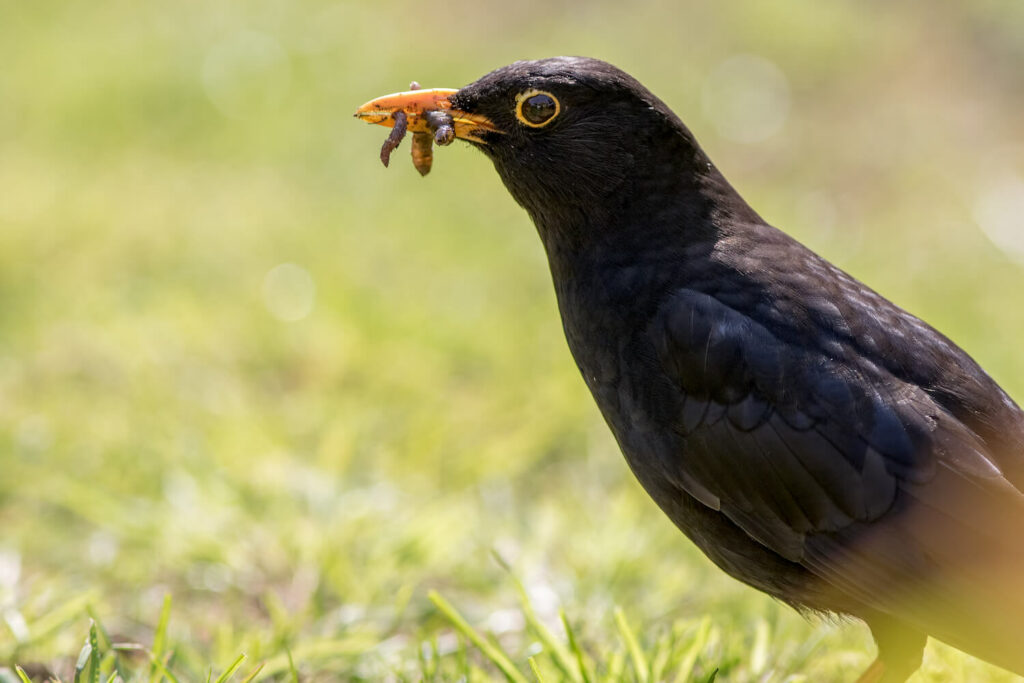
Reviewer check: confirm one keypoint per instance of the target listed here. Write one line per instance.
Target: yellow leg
(874, 673)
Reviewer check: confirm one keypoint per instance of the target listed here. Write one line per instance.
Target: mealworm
(422, 152)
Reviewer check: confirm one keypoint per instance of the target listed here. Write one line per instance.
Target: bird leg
(874, 673)
(900, 650)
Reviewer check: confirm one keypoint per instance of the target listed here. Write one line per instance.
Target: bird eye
(536, 108)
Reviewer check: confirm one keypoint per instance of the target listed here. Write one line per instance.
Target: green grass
(409, 481)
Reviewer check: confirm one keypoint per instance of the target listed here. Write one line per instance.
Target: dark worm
(394, 137)
(441, 123)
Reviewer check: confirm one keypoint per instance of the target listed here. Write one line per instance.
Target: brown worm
(422, 152)
(394, 137)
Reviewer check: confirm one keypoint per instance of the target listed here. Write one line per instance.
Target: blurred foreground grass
(244, 366)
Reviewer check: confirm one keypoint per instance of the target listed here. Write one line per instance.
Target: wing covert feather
(814, 439)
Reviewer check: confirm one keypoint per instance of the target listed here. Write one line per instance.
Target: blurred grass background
(244, 365)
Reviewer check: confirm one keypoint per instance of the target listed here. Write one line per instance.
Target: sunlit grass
(327, 407)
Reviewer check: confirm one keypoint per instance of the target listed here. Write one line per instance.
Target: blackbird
(813, 439)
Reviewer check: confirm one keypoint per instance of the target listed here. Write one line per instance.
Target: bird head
(579, 143)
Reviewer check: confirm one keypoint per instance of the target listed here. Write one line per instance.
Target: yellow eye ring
(537, 108)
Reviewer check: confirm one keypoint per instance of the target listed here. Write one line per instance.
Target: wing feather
(835, 462)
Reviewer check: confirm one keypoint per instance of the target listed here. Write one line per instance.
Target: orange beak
(416, 103)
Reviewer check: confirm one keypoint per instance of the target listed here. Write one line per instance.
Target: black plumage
(816, 441)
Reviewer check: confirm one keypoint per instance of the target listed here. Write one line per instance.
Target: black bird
(816, 441)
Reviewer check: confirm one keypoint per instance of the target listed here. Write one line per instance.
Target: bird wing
(834, 462)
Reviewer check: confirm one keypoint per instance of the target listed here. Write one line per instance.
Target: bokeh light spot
(289, 292)
(746, 98)
(999, 211)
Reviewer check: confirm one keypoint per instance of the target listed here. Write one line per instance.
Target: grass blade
(700, 639)
(660, 658)
(94, 645)
(462, 658)
(640, 665)
(615, 670)
(84, 659)
(160, 667)
(160, 642)
(575, 647)
(87, 668)
(496, 656)
(424, 661)
(100, 629)
(251, 677)
(291, 666)
(223, 678)
(536, 670)
(559, 653)
(22, 675)
(760, 651)
(435, 651)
